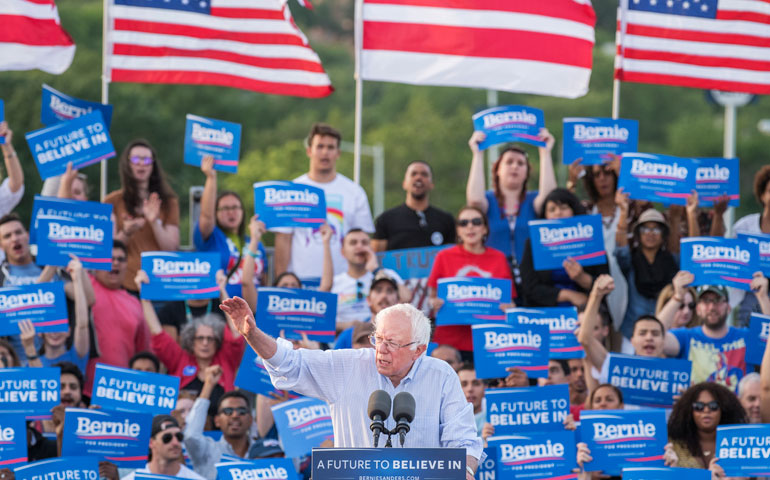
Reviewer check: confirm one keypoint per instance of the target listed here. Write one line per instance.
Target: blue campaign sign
(269, 468)
(82, 141)
(410, 262)
(623, 438)
(152, 476)
(510, 410)
(57, 107)
(561, 321)
(62, 227)
(2, 118)
(468, 301)
(302, 425)
(657, 178)
(579, 238)
(744, 450)
(29, 392)
(180, 275)
(498, 346)
(386, 463)
(44, 304)
(648, 381)
(13, 440)
(70, 467)
(287, 204)
(543, 455)
(220, 139)
(759, 330)
(665, 473)
(763, 241)
(595, 140)
(252, 376)
(118, 437)
(715, 177)
(297, 311)
(129, 390)
(488, 468)
(719, 261)
(511, 123)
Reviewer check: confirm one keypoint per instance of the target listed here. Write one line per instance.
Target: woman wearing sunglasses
(684, 314)
(145, 210)
(471, 258)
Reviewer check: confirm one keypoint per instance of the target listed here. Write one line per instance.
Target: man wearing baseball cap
(166, 450)
(382, 294)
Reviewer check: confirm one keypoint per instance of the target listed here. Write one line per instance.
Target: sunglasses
(137, 160)
(167, 437)
(655, 230)
(690, 305)
(700, 406)
(229, 411)
(473, 221)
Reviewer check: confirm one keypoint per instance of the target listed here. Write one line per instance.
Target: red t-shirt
(458, 262)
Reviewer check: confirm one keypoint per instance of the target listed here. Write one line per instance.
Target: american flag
(31, 36)
(529, 46)
(714, 44)
(248, 44)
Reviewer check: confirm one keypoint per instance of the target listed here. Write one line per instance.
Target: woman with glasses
(145, 209)
(509, 205)
(684, 314)
(471, 258)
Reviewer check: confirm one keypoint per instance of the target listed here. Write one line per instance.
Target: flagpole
(359, 24)
(622, 9)
(105, 88)
(615, 98)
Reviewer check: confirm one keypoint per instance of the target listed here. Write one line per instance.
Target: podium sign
(416, 463)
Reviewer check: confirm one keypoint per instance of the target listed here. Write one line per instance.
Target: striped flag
(248, 44)
(31, 37)
(713, 44)
(529, 46)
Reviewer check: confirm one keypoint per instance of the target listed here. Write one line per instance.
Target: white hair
(419, 322)
(749, 378)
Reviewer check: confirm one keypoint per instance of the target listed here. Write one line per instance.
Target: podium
(388, 463)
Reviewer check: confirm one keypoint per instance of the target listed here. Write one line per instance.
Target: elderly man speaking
(345, 379)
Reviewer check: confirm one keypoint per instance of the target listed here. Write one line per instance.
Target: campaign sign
(498, 346)
(82, 141)
(744, 450)
(595, 140)
(220, 139)
(2, 118)
(13, 440)
(579, 238)
(388, 463)
(152, 476)
(180, 275)
(763, 240)
(487, 469)
(472, 300)
(542, 455)
(623, 438)
(759, 330)
(118, 437)
(561, 321)
(410, 262)
(129, 390)
(71, 467)
(252, 376)
(665, 473)
(657, 178)
(510, 123)
(58, 107)
(719, 261)
(302, 425)
(715, 177)
(31, 392)
(510, 410)
(287, 204)
(297, 311)
(64, 226)
(269, 468)
(44, 304)
(649, 381)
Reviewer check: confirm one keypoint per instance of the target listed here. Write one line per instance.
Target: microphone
(379, 410)
(403, 413)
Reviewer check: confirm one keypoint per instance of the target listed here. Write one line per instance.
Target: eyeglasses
(230, 208)
(655, 230)
(137, 160)
(690, 305)
(203, 339)
(603, 171)
(423, 222)
(700, 406)
(167, 437)
(227, 411)
(473, 221)
(377, 340)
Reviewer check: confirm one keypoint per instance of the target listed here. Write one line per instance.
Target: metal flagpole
(105, 87)
(618, 57)
(359, 91)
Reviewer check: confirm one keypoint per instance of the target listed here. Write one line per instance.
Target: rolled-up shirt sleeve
(458, 425)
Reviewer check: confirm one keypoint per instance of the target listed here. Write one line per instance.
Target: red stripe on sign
(205, 78)
(689, 59)
(566, 9)
(262, 14)
(17, 29)
(697, 36)
(207, 33)
(477, 42)
(744, 16)
(681, 81)
(276, 63)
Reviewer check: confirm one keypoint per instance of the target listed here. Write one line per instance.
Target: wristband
(32, 357)
(255, 255)
(470, 470)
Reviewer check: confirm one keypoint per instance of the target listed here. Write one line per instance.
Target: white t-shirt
(351, 295)
(183, 472)
(347, 207)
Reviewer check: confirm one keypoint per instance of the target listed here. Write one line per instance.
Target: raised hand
(240, 314)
